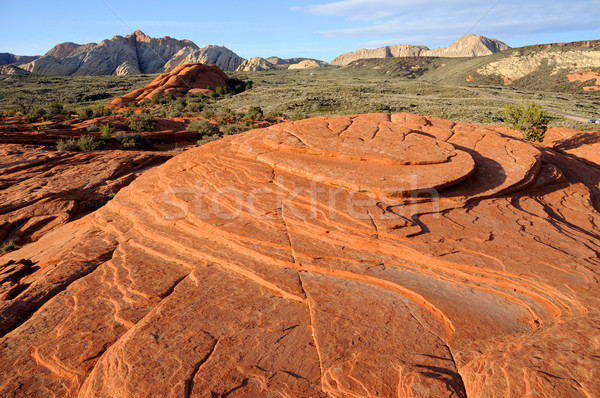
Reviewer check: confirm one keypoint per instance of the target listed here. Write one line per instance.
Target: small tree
(531, 121)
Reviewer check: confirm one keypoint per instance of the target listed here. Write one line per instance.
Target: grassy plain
(425, 86)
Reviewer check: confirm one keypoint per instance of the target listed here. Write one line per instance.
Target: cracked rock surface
(358, 256)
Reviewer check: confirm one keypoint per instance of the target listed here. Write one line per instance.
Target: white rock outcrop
(133, 54)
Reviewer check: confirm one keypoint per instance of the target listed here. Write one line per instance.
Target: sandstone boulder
(188, 78)
(361, 256)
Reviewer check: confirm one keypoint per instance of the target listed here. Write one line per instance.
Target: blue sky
(290, 28)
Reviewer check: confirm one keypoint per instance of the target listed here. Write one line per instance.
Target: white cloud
(433, 22)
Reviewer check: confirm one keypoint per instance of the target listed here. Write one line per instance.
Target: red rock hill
(360, 256)
(188, 78)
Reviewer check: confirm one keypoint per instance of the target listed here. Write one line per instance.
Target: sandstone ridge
(372, 255)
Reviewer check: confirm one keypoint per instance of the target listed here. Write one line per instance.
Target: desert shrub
(9, 112)
(91, 128)
(171, 97)
(55, 108)
(203, 127)
(133, 141)
(102, 111)
(86, 113)
(159, 113)
(255, 113)
(34, 115)
(88, 143)
(195, 107)
(174, 113)
(106, 131)
(236, 129)
(9, 247)
(222, 90)
(142, 123)
(227, 112)
(68, 145)
(531, 121)
(271, 117)
(29, 118)
(208, 113)
(208, 138)
(238, 86)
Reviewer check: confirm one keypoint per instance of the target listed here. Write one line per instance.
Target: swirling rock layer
(357, 256)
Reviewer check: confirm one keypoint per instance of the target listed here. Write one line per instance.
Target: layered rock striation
(363, 256)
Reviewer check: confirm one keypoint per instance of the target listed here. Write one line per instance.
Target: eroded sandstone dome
(361, 256)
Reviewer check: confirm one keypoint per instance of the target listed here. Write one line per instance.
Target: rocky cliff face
(255, 64)
(372, 255)
(553, 59)
(382, 52)
(220, 56)
(136, 53)
(467, 46)
(7, 59)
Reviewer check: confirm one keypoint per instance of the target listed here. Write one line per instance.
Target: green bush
(208, 113)
(203, 127)
(255, 113)
(86, 113)
(29, 118)
(9, 247)
(142, 123)
(222, 90)
(34, 115)
(238, 86)
(106, 131)
(68, 145)
(531, 121)
(88, 143)
(235, 129)
(91, 128)
(55, 108)
(133, 141)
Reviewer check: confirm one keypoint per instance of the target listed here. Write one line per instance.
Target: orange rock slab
(243, 268)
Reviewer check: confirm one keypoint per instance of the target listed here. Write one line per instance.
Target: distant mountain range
(139, 53)
(467, 46)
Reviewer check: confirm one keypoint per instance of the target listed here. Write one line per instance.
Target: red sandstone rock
(42, 189)
(277, 263)
(194, 78)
